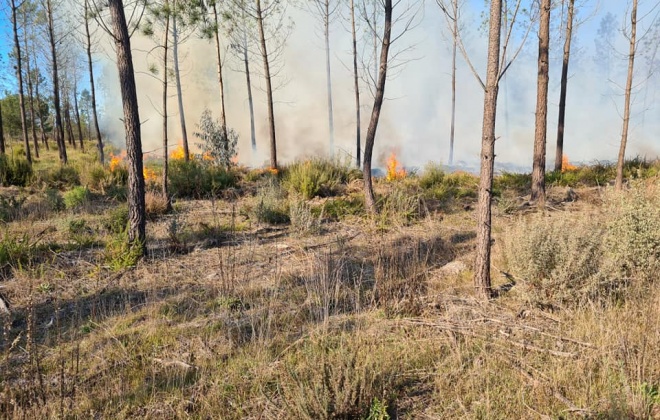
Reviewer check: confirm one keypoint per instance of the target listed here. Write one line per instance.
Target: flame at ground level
(394, 169)
(566, 165)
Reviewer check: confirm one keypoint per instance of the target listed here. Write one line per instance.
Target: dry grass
(261, 322)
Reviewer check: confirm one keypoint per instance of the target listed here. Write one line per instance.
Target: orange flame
(149, 175)
(178, 153)
(566, 165)
(117, 160)
(394, 169)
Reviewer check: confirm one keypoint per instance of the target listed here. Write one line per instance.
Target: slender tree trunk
(628, 92)
(453, 82)
(370, 200)
(269, 88)
(559, 155)
(59, 128)
(331, 124)
(136, 206)
(482, 282)
(179, 93)
(42, 130)
(356, 86)
(76, 113)
(2, 133)
(88, 47)
(375, 40)
(67, 122)
(166, 39)
(246, 62)
(221, 84)
(19, 77)
(540, 135)
(33, 122)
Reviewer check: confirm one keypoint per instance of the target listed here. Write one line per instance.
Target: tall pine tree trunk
(28, 72)
(76, 113)
(370, 200)
(561, 124)
(166, 39)
(59, 127)
(88, 48)
(19, 77)
(2, 133)
(628, 92)
(331, 124)
(136, 206)
(356, 87)
(221, 83)
(541, 126)
(269, 87)
(482, 281)
(179, 93)
(246, 62)
(452, 128)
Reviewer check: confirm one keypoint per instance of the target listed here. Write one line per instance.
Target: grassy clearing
(257, 302)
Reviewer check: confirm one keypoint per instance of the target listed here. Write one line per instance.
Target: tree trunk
(269, 88)
(482, 282)
(67, 123)
(59, 128)
(453, 82)
(33, 121)
(76, 113)
(166, 38)
(331, 124)
(136, 206)
(559, 155)
(42, 130)
(19, 76)
(2, 133)
(370, 200)
(626, 109)
(246, 62)
(88, 47)
(221, 84)
(540, 135)
(356, 86)
(179, 93)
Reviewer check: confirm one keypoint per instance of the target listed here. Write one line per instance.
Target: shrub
(76, 197)
(318, 177)
(156, 203)
(117, 220)
(520, 183)
(218, 146)
(342, 207)
(633, 232)
(15, 171)
(445, 187)
(10, 208)
(432, 176)
(196, 179)
(14, 250)
(95, 177)
(269, 205)
(81, 234)
(120, 253)
(558, 258)
(303, 219)
(61, 177)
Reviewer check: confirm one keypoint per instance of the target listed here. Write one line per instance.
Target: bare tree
(59, 127)
(2, 133)
(561, 124)
(541, 125)
(632, 38)
(325, 11)
(19, 77)
(356, 87)
(88, 49)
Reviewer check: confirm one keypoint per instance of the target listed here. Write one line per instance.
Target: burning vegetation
(395, 171)
(566, 164)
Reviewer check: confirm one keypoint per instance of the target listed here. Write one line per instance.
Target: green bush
(342, 207)
(15, 171)
(120, 253)
(117, 220)
(96, 177)
(54, 200)
(14, 250)
(520, 183)
(432, 176)
(62, 177)
(303, 219)
(10, 208)
(269, 205)
(76, 197)
(194, 179)
(318, 177)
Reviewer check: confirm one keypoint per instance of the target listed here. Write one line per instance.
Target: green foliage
(15, 250)
(269, 205)
(121, 254)
(61, 177)
(378, 411)
(400, 206)
(342, 207)
(76, 197)
(219, 147)
(194, 179)
(97, 178)
(432, 176)
(15, 171)
(303, 219)
(519, 183)
(117, 220)
(54, 200)
(10, 208)
(80, 233)
(443, 187)
(318, 177)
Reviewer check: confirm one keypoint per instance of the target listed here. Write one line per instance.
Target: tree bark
(67, 123)
(42, 130)
(356, 87)
(59, 128)
(76, 113)
(136, 206)
(370, 200)
(628, 92)
(166, 38)
(88, 47)
(221, 84)
(33, 123)
(482, 281)
(540, 135)
(561, 124)
(2, 133)
(179, 93)
(452, 128)
(331, 124)
(246, 62)
(19, 77)
(269, 88)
